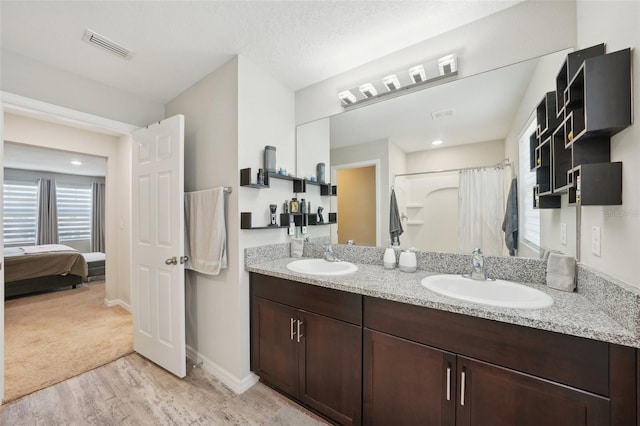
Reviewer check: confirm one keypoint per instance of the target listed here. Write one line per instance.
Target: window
(530, 217)
(20, 211)
(74, 211)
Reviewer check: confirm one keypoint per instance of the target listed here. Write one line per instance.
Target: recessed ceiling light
(436, 142)
(76, 162)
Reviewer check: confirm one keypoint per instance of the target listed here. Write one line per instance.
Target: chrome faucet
(477, 262)
(328, 254)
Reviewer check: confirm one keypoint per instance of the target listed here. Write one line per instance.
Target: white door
(157, 290)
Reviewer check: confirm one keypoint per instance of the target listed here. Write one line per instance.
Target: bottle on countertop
(285, 206)
(389, 259)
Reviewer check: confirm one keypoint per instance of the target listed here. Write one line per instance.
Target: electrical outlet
(595, 240)
(563, 234)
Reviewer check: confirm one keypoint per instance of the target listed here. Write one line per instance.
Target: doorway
(118, 176)
(357, 205)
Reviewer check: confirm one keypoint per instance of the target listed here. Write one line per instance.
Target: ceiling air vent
(106, 44)
(439, 115)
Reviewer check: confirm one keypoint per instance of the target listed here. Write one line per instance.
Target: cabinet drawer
(324, 301)
(574, 361)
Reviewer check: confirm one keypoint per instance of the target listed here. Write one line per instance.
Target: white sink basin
(321, 267)
(500, 293)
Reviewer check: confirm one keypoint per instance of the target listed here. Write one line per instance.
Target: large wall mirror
(484, 122)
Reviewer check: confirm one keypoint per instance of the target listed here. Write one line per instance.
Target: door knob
(171, 261)
(183, 259)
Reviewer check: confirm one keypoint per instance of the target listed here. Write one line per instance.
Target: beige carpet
(51, 337)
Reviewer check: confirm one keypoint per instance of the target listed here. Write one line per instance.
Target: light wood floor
(134, 391)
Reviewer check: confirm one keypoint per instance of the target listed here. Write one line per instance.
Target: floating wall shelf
(571, 147)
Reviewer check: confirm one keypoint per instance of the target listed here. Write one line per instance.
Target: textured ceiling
(177, 43)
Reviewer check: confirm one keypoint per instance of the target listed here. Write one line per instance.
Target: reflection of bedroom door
(357, 205)
(157, 290)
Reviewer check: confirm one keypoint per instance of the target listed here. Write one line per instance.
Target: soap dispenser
(389, 258)
(408, 262)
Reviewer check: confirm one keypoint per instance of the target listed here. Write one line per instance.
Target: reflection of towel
(561, 272)
(510, 222)
(205, 231)
(395, 223)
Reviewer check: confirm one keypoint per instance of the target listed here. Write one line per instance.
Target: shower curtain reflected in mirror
(453, 211)
(481, 211)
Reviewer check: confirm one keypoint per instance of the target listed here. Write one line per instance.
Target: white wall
(23, 76)
(266, 111)
(312, 147)
(543, 80)
(527, 30)
(616, 24)
(230, 116)
(30, 131)
(454, 157)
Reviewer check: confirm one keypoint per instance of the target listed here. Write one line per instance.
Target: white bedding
(46, 248)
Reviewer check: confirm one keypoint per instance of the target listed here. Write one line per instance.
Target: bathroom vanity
(358, 351)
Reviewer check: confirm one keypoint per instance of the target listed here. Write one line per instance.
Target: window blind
(74, 211)
(20, 212)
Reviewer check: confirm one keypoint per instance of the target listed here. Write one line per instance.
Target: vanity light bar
(417, 74)
(347, 97)
(391, 82)
(368, 90)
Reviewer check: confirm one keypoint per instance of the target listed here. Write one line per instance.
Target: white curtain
(481, 211)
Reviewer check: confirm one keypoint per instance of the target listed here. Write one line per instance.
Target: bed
(38, 268)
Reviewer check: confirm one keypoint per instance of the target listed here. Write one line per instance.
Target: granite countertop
(570, 314)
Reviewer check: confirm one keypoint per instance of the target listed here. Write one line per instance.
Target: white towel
(561, 272)
(206, 235)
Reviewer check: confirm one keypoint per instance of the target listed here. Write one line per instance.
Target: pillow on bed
(46, 248)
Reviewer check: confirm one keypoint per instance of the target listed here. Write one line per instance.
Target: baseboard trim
(118, 302)
(237, 385)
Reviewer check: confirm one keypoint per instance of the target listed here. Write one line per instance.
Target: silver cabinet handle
(293, 333)
(462, 379)
(183, 259)
(448, 383)
(299, 331)
(171, 261)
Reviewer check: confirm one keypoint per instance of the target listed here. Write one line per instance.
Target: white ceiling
(179, 42)
(484, 106)
(27, 157)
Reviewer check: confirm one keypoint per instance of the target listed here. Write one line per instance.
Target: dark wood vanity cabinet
(451, 369)
(306, 341)
(363, 360)
(407, 383)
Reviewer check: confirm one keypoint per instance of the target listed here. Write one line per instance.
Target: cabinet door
(492, 395)
(406, 383)
(331, 367)
(274, 344)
